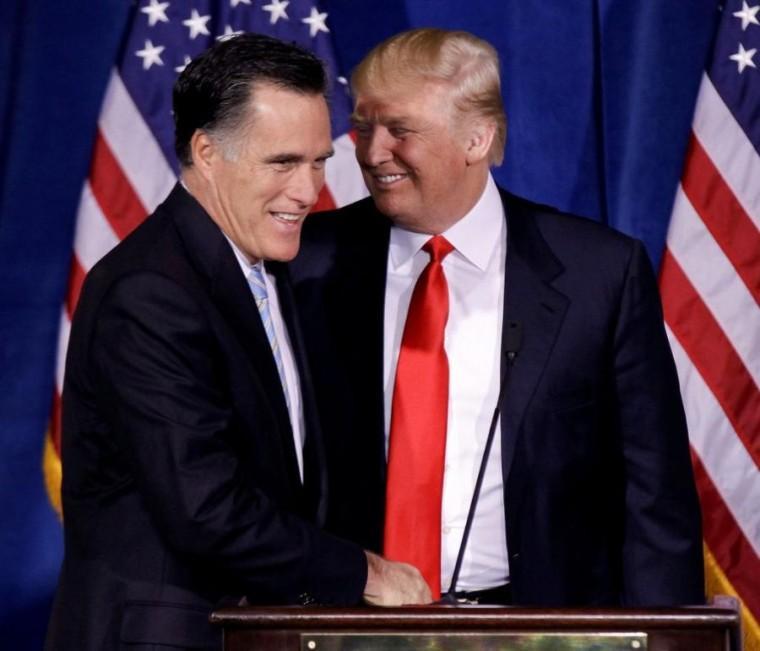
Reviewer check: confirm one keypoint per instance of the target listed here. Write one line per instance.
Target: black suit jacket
(600, 503)
(180, 481)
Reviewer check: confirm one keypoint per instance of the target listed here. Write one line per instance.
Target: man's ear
(204, 152)
(479, 138)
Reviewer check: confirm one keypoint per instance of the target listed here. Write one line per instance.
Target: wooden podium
(480, 628)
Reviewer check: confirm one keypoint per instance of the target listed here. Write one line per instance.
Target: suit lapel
(360, 291)
(236, 302)
(529, 299)
(215, 261)
(314, 463)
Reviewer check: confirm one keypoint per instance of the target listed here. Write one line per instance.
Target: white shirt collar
(473, 236)
(242, 260)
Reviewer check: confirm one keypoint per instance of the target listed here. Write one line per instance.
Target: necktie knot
(438, 247)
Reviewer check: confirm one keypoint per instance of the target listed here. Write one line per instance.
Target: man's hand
(394, 584)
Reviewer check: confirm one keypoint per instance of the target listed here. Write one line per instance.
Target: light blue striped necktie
(259, 288)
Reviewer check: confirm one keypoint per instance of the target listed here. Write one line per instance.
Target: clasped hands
(390, 583)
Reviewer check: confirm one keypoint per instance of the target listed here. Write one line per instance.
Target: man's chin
(286, 254)
(390, 206)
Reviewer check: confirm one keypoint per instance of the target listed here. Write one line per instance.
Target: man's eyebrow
(392, 121)
(286, 157)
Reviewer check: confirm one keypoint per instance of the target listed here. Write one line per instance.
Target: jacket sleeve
(159, 369)
(662, 543)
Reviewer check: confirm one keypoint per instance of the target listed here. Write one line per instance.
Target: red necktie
(418, 426)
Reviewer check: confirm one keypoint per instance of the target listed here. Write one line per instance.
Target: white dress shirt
(475, 276)
(292, 379)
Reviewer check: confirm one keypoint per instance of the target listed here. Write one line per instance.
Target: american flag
(710, 283)
(133, 164)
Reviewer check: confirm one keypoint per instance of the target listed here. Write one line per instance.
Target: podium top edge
(472, 617)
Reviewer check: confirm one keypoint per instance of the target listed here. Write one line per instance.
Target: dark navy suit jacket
(599, 497)
(181, 488)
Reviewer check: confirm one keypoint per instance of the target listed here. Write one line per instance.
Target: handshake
(390, 583)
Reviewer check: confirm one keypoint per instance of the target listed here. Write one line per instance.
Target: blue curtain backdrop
(599, 96)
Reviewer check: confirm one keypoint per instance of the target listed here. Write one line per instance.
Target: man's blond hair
(467, 64)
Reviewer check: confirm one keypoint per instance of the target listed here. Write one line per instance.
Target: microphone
(512, 343)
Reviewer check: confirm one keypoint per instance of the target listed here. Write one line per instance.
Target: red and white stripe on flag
(130, 173)
(710, 284)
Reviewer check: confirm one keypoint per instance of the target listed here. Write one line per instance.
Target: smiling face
(259, 184)
(422, 166)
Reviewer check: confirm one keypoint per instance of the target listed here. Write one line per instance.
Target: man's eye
(283, 165)
(319, 164)
(399, 132)
(363, 130)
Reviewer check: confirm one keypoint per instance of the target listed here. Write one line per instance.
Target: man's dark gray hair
(213, 92)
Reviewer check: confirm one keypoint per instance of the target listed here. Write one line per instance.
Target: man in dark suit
(193, 464)
(588, 496)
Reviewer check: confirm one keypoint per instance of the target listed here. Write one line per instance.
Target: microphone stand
(512, 343)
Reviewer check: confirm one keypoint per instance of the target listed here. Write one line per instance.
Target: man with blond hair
(450, 322)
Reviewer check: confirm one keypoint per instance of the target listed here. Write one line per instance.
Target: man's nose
(306, 184)
(375, 148)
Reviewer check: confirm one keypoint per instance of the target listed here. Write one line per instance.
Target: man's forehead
(399, 101)
(269, 97)
(384, 111)
(282, 124)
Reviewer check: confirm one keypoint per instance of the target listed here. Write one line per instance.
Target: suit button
(306, 599)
